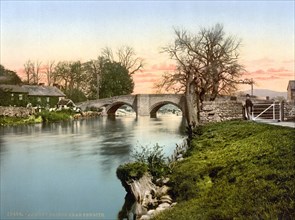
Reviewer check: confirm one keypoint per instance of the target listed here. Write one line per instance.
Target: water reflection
(70, 166)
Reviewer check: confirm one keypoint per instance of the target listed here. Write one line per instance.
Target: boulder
(145, 217)
(173, 204)
(166, 199)
(151, 212)
(164, 205)
(163, 190)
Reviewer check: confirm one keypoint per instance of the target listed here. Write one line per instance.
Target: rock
(163, 190)
(166, 180)
(16, 111)
(166, 199)
(179, 156)
(164, 205)
(151, 212)
(162, 181)
(159, 209)
(145, 217)
(173, 204)
(143, 191)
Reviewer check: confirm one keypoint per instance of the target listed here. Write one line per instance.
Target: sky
(78, 30)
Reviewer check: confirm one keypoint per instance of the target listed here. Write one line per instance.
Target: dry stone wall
(16, 111)
(216, 111)
(290, 111)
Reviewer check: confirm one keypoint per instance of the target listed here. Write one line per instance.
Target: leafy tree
(71, 77)
(76, 95)
(93, 69)
(207, 64)
(9, 77)
(115, 80)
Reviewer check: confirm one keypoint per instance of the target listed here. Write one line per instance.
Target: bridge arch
(157, 106)
(142, 104)
(112, 108)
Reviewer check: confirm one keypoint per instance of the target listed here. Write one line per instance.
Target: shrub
(154, 158)
(55, 116)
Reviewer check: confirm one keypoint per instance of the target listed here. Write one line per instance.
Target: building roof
(43, 91)
(65, 102)
(291, 85)
(13, 88)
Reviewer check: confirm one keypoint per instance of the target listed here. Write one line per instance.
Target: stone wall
(289, 111)
(216, 111)
(16, 111)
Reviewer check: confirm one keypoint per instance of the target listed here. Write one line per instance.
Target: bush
(154, 158)
(55, 116)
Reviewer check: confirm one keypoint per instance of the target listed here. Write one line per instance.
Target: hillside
(266, 92)
(236, 170)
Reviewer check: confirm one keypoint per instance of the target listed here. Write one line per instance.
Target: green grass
(236, 170)
(11, 121)
(55, 116)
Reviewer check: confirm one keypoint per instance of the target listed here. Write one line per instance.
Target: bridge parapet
(98, 103)
(142, 104)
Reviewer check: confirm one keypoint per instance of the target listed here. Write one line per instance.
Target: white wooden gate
(268, 111)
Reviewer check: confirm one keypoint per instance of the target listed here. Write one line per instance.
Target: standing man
(248, 107)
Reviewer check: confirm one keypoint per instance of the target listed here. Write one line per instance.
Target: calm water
(68, 170)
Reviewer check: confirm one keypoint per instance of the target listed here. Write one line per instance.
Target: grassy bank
(12, 121)
(44, 116)
(56, 116)
(236, 170)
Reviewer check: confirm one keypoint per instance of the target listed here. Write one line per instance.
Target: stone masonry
(16, 111)
(216, 111)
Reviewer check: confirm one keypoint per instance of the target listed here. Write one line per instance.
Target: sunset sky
(78, 30)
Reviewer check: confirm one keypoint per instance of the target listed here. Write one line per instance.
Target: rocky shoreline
(147, 197)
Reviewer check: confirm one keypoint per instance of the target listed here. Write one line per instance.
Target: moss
(131, 171)
(236, 170)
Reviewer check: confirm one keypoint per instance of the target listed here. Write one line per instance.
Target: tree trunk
(214, 92)
(98, 82)
(192, 104)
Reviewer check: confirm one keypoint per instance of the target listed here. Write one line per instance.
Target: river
(68, 170)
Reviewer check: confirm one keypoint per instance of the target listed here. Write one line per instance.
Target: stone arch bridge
(142, 104)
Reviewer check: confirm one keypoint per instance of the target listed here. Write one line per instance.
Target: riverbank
(235, 169)
(74, 163)
(45, 117)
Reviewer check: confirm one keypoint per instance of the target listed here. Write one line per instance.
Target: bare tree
(33, 71)
(126, 56)
(62, 74)
(37, 72)
(49, 72)
(207, 64)
(107, 53)
(29, 68)
(221, 57)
